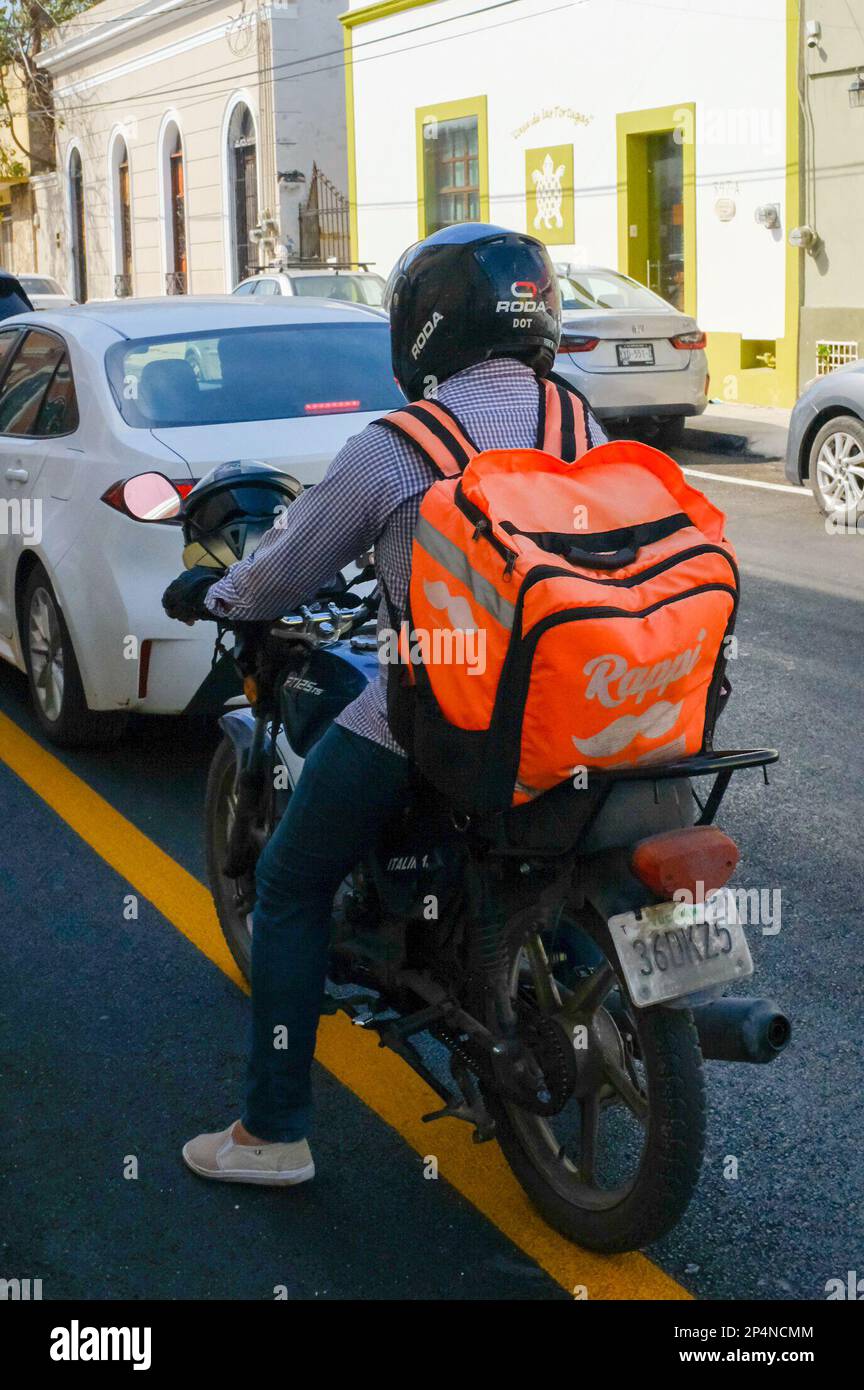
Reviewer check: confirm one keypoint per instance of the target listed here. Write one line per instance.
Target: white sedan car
(632, 355)
(322, 282)
(97, 394)
(46, 293)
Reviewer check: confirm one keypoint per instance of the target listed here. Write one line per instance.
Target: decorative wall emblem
(549, 193)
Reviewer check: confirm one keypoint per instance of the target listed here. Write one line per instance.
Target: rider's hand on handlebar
(184, 597)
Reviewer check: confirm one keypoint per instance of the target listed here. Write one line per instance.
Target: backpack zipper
(558, 571)
(483, 527)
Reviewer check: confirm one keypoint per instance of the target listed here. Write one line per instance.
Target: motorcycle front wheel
(232, 897)
(615, 1166)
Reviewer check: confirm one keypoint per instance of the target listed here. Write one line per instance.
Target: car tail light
(698, 860)
(114, 494)
(577, 342)
(690, 342)
(330, 407)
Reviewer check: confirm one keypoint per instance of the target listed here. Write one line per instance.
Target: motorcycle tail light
(698, 860)
(576, 342)
(690, 342)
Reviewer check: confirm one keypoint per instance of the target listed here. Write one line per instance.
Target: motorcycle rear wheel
(661, 1062)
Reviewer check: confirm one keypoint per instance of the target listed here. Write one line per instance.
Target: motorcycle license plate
(673, 949)
(635, 354)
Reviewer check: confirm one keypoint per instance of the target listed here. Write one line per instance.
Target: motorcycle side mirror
(151, 497)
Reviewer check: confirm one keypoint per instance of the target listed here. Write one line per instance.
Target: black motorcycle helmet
(230, 508)
(468, 293)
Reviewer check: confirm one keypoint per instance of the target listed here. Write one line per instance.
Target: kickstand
(470, 1108)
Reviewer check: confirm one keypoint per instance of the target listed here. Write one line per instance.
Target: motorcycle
(568, 960)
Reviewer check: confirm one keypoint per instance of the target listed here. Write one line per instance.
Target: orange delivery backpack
(567, 610)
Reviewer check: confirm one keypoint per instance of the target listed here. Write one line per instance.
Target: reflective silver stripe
(455, 561)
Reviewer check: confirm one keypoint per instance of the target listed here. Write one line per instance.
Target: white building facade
(187, 132)
(661, 139)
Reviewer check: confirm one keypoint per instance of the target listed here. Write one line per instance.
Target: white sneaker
(217, 1156)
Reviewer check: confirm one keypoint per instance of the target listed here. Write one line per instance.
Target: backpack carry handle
(610, 560)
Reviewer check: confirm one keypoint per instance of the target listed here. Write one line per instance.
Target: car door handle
(17, 475)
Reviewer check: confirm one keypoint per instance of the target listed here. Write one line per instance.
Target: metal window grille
(831, 355)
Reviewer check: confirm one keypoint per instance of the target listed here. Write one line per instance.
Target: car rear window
(591, 289)
(356, 289)
(39, 284)
(275, 372)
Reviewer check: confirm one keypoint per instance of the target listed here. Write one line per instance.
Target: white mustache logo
(660, 719)
(458, 608)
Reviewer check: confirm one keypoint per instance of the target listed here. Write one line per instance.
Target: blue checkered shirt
(369, 497)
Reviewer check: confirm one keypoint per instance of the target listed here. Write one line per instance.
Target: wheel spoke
(545, 985)
(635, 1100)
(589, 995)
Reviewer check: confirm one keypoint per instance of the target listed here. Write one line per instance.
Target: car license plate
(673, 949)
(635, 354)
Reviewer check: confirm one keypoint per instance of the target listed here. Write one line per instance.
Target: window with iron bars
(831, 355)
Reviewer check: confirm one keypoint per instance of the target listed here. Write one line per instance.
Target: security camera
(813, 36)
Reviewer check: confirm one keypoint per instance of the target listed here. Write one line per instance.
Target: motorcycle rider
(475, 320)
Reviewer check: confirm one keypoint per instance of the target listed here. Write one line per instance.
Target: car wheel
(56, 689)
(837, 468)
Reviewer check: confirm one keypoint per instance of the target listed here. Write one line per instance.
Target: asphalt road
(121, 1036)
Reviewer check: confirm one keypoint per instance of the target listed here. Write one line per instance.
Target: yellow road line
(376, 1076)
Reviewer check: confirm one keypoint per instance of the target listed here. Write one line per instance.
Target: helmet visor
(521, 276)
(238, 504)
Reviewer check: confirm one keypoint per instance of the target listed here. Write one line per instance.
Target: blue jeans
(348, 789)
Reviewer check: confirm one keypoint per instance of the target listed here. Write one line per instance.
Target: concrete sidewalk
(751, 433)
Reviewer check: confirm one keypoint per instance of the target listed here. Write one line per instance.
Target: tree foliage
(24, 27)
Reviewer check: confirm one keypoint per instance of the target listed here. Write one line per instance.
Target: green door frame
(633, 186)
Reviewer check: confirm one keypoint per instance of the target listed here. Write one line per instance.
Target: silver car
(825, 446)
(321, 282)
(630, 354)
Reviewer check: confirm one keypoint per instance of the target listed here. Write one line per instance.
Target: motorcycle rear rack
(720, 765)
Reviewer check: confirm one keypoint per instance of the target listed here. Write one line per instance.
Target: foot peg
(351, 1004)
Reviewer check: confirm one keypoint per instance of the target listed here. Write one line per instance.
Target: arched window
(174, 204)
(76, 213)
(243, 185)
(122, 218)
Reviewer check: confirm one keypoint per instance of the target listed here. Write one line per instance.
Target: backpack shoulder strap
(445, 444)
(562, 427)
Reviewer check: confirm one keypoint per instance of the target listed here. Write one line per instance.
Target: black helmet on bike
(230, 508)
(468, 293)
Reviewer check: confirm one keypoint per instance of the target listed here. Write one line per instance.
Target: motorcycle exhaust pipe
(741, 1030)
